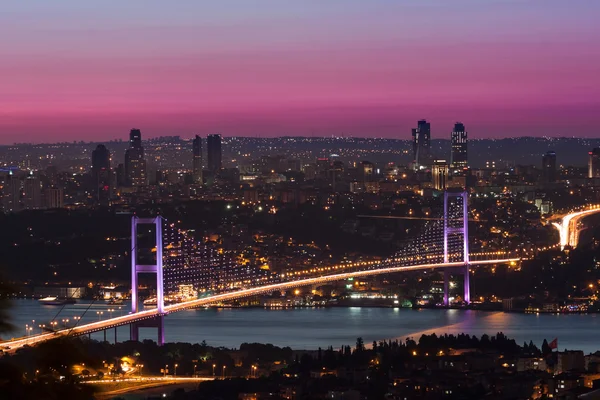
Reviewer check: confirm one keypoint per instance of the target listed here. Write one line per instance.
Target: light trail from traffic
(568, 228)
(12, 345)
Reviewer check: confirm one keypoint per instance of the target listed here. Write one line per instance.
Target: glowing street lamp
(214, 365)
(224, 371)
(175, 370)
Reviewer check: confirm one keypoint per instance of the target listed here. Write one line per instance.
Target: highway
(569, 229)
(12, 345)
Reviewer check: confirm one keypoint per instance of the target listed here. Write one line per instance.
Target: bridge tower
(460, 229)
(156, 268)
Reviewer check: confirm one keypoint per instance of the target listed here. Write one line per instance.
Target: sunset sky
(91, 70)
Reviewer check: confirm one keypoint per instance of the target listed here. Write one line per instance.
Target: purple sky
(93, 69)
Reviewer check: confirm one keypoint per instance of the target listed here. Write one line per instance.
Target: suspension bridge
(442, 245)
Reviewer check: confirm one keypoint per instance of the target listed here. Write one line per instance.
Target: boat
(116, 301)
(55, 301)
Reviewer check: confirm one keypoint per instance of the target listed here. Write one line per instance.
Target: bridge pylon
(461, 230)
(156, 268)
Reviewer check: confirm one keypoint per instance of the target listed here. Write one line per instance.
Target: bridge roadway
(12, 345)
(568, 227)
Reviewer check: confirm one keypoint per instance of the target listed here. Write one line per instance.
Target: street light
(110, 310)
(224, 371)
(99, 313)
(195, 369)
(214, 365)
(141, 369)
(166, 369)
(175, 373)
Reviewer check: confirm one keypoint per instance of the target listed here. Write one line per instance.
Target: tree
(546, 348)
(360, 344)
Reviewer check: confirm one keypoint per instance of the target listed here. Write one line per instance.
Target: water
(323, 327)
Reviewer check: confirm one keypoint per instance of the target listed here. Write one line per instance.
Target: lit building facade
(135, 162)
(594, 163)
(421, 144)
(459, 155)
(549, 167)
(197, 159)
(101, 175)
(213, 153)
(439, 174)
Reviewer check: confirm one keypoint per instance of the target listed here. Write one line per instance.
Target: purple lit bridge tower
(456, 230)
(156, 268)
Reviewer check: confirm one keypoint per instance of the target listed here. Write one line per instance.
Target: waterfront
(322, 327)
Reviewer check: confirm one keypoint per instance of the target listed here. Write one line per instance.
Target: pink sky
(91, 71)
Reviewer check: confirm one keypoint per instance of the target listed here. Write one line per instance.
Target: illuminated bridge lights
(224, 297)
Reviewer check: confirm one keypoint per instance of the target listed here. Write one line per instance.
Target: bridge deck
(148, 314)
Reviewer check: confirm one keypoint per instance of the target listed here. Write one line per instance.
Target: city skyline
(503, 68)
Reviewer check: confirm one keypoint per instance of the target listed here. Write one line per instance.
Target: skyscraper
(594, 163)
(32, 190)
(197, 159)
(458, 155)
(213, 150)
(101, 175)
(54, 197)
(135, 163)
(421, 144)
(11, 193)
(549, 167)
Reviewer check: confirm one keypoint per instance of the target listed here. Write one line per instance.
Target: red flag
(554, 344)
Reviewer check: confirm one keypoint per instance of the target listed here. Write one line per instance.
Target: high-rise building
(213, 151)
(54, 197)
(101, 175)
(135, 139)
(549, 166)
(422, 144)
(135, 163)
(197, 159)
(458, 155)
(594, 163)
(32, 192)
(439, 174)
(11, 193)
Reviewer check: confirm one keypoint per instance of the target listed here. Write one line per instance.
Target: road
(109, 388)
(569, 229)
(12, 345)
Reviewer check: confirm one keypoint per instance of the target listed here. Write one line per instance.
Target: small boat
(55, 301)
(116, 301)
